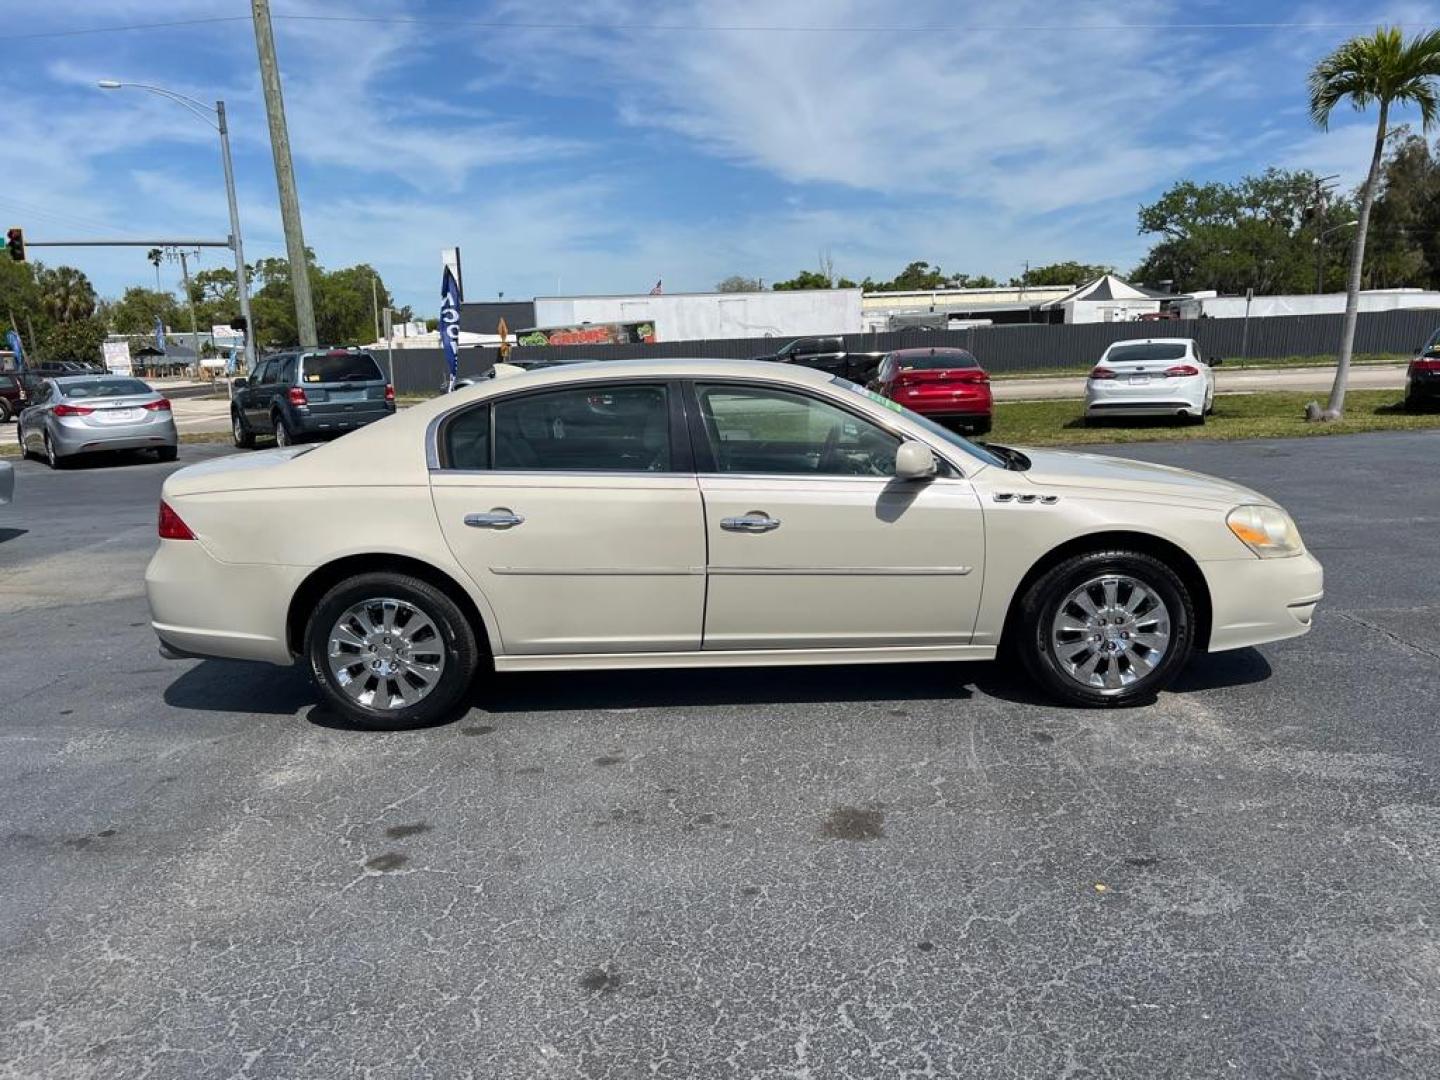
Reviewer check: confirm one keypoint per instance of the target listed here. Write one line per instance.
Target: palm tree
(1380, 69)
(66, 294)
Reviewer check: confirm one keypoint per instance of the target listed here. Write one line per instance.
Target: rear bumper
(1254, 601)
(201, 607)
(1422, 388)
(69, 438)
(947, 404)
(312, 423)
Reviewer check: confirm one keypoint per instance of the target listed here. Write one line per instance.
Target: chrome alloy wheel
(386, 653)
(1110, 632)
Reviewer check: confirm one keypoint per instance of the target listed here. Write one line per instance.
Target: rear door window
(341, 368)
(587, 428)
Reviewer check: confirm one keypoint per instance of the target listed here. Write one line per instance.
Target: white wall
(712, 316)
(1233, 307)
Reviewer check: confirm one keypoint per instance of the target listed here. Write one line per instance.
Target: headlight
(1265, 530)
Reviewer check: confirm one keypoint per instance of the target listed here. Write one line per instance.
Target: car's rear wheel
(391, 651)
(1107, 628)
(53, 459)
(6, 412)
(283, 437)
(167, 453)
(240, 431)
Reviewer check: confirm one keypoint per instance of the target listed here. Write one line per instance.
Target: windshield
(103, 388)
(945, 435)
(341, 367)
(1154, 350)
(935, 359)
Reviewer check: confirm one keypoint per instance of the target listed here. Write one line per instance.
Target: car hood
(231, 471)
(1113, 475)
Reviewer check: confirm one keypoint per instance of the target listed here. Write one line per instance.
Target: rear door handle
(753, 523)
(495, 519)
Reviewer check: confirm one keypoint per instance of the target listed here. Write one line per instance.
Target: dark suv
(12, 396)
(301, 395)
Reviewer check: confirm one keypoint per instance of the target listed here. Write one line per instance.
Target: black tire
(54, 460)
(240, 431)
(1043, 600)
(981, 427)
(167, 453)
(6, 412)
(456, 637)
(283, 435)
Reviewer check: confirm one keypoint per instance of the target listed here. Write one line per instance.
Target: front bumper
(1254, 601)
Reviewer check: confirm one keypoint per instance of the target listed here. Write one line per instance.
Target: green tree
(1258, 233)
(76, 339)
(135, 312)
(738, 283)
(805, 279)
(1384, 70)
(1403, 245)
(1062, 273)
(66, 294)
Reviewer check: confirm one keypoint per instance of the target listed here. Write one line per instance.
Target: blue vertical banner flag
(12, 339)
(159, 334)
(449, 324)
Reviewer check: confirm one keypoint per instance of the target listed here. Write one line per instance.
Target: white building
(712, 316)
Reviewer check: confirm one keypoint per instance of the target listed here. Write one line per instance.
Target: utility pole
(375, 302)
(284, 174)
(190, 299)
(242, 286)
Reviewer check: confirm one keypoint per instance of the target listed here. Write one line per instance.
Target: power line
(702, 28)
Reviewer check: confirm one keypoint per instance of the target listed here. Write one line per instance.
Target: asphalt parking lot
(865, 872)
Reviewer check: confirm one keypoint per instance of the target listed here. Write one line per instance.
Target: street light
(1319, 243)
(215, 118)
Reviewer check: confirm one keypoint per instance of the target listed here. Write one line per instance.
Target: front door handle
(752, 523)
(495, 519)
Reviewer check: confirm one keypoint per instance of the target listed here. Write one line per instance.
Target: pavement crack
(1390, 634)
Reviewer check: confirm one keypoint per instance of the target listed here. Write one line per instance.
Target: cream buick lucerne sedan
(694, 513)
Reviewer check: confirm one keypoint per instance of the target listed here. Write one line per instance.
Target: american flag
(657, 291)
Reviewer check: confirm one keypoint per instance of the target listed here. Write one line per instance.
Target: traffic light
(15, 244)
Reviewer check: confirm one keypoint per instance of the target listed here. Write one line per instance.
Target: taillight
(389, 392)
(163, 405)
(1103, 373)
(1179, 371)
(296, 396)
(973, 377)
(72, 410)
(171, 527)
(1424, 365)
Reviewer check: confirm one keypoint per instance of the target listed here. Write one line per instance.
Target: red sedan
(947, 385)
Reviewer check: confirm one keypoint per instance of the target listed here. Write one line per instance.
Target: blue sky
(595, 147)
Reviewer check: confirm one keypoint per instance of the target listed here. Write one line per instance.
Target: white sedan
(696, 513)
(1152, 377)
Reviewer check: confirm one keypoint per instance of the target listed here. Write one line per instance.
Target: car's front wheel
(240, 431)
(1107, 628)
(391, 651)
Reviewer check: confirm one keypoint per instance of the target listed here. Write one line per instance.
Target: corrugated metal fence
(1002, 349)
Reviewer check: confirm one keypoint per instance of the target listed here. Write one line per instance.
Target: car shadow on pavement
(1009, 681)
(544, 691)
(11, 534)
(234, 686)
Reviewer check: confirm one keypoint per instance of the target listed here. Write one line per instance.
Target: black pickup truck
(829, 354)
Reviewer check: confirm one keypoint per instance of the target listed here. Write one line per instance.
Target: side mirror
(914, 461)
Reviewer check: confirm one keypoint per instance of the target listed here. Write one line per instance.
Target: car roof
(1154, 341)
(930, 350)
(673, 368)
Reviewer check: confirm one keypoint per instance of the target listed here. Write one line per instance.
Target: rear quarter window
(341, 367)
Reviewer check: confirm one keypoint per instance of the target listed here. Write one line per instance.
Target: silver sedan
(73, 415)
